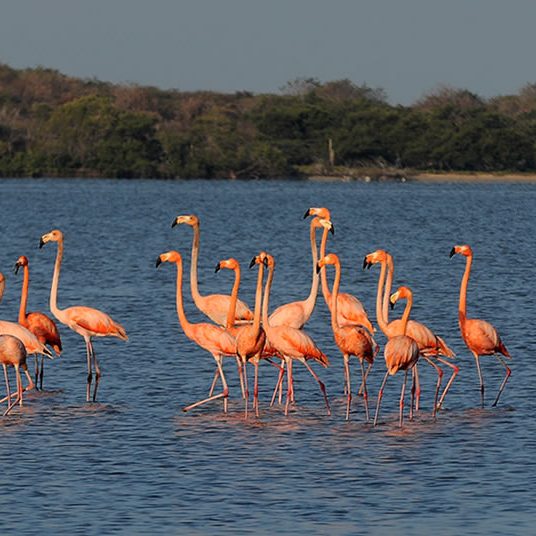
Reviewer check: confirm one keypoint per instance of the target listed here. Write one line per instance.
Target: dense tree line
(55, 125)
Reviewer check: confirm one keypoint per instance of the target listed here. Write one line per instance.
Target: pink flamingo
(85, 321)
(349, 309)
(351, 339)
(12, 353)
(401, 352)
(215, 306)
(41, 325)
(215, 339)
(430, 345)
(480, 336)
(296, 314)
(290, 343)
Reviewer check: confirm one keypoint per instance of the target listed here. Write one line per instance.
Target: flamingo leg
(256, 386)
(244, 376)
(322, 386)
(9, 405)
(19, 386)
(289, 383)
(278, 384)
(89, 370)
(455, 371)
(417, 389)
(224, 394)
(508, 373)
(36, 370)
(97, 372)
(412, 393)
(360, 392)
(364, 375)
(438, 385)
(214, 381)
(31, 384)
(41, 372)
(380, 396)
(480, 378)
(402, 393)
(348, 387)
(243, 385)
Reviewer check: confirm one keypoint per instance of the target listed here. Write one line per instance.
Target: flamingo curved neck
(56, 311)
(234, 298)
(405, 316)
(266, 300)
(323, 276)
(335, 295)
(311, 299)
(379, 314)
(462, 307)
(193, 267)
(388, 286)
(24, 296)
(258, 299)
(183, 321)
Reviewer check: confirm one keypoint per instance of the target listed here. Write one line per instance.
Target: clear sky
(406, 47)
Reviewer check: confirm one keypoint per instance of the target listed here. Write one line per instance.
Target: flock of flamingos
(277, 338)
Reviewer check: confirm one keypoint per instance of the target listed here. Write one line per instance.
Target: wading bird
(430, 345)
(41, 325)
(479, 336)
(214, 339)
(12, 353)
(401, 352)
(290, 343)
(351, 339)
(85, 321)
(349, 309)
(215, 306)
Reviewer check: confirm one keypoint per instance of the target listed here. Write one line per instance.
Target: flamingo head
(261, 258)
(169, 256)
(380, 255)
(330, 258)
(401, 293)
(54, 236)
(230, 264)
(462, 250)
(322, 223)
(188, 219)
(21, 261)
(321, 212)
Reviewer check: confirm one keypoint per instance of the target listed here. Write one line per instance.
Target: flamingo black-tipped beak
(452, 253)
(366, 264)
(318, 267)
(217, 269)
(392, 305)
(41, 243)
(332, 229)
(265, 262)
(308, 213)
(252, 263)
(158, 262)
(16, 268)
(174, 222)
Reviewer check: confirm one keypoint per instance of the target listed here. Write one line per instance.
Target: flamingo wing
(216, 307)
(45, 329)
(299, 344)
(93, 321)
(481, 337)
(351, 311)
(289, 314)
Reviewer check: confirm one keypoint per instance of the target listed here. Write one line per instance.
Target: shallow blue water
(134, 463)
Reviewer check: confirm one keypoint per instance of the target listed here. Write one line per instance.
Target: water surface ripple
(134, 463)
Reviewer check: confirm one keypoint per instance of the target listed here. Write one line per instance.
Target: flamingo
(296, 314)
(351, 339)
(401, 352)
(430, 345)
(290, 343)
(215, 306)
(12, 353)
(250, 338)
(349, 309)
(214, 339)
(2, 285)
(85, 321)
(480, 336)
(41, 325)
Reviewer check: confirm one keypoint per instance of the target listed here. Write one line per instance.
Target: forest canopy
(55, 125)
